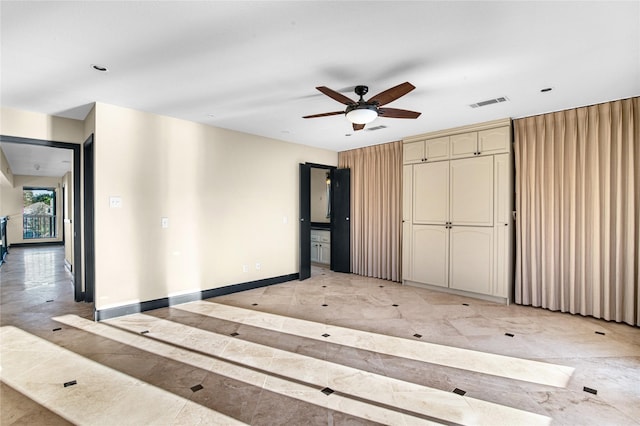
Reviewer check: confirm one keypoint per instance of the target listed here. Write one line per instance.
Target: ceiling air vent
(489, 102)
(371, 129)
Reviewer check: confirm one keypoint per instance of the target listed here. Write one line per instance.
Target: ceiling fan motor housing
(361, 91)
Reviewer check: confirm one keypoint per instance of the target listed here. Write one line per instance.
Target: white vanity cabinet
(321, 246)
(457, 226)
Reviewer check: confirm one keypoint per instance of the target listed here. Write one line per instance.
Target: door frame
(305, 222)
(89, 218)
(77, 219)
(304, 259)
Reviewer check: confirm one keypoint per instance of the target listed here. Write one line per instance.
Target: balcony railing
(38, 226)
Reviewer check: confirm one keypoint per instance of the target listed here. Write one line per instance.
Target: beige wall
(231, 200)
(5, 171)
(35, 125)
(6, 183)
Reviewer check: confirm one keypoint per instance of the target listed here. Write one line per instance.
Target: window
(39, 213)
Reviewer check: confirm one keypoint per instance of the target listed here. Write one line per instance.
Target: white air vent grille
(489, 102)
(371, 129)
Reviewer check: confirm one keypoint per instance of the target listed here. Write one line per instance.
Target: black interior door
(305, 221)
(340, 220)
(89, 256)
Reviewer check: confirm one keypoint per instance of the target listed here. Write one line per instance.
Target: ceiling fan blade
(392, 94)
(335, 95)
(397, 113)
(324, 114)
(357, 127)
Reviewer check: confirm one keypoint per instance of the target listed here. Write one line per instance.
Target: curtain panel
(376, 216)
(578, 211)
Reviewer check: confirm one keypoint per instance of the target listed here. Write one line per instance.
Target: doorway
(324, 219)
(77, 230)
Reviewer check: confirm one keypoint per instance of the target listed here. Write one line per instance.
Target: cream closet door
(430, 255)
(407, 193)
(471, 258)
(503, 225)
(471, 234)
(431, 193)
(472, 191)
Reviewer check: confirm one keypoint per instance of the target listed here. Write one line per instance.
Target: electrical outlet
(115, 202)
(164, 222)
(245, 268)
(258, 266)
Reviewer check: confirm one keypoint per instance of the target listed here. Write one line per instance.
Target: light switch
(164, 222)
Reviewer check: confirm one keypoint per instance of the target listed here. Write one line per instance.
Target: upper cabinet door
(413, 152)
(431, 193)
(437, 149)
(472, 191)
(494, 141)
(464, 144)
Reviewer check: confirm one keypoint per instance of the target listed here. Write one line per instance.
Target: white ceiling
(254, 66)
(34, 160)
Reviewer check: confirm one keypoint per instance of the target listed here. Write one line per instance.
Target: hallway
(334, 349)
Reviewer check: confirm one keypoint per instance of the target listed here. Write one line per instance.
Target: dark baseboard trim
(38, 244)
(105, 314)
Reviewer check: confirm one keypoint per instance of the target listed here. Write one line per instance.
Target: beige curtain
(376, 202)
(578, 210)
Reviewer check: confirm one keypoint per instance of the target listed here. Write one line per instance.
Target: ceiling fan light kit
(363, 112)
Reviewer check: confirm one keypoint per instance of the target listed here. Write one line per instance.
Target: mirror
(320, 196)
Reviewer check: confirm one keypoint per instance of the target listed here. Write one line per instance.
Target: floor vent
(371, 129)
(489, 102)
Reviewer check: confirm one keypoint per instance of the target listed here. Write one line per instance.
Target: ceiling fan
(362, 112)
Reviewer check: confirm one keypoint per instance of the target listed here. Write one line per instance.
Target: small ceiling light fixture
(546, 89)
(99, 68)
(361, 114)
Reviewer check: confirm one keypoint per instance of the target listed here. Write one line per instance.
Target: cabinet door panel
(437, 149)
(412, 152)
(494, 141)
(431, 192)
(430, 255)
(503, 261)
(407, 192)
(471, 259)
(502, 188)
(325, 253)
(406, 251)
(472, 191)
(464, 145)
(315, 252)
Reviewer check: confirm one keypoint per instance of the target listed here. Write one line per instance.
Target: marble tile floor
(382, 353)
